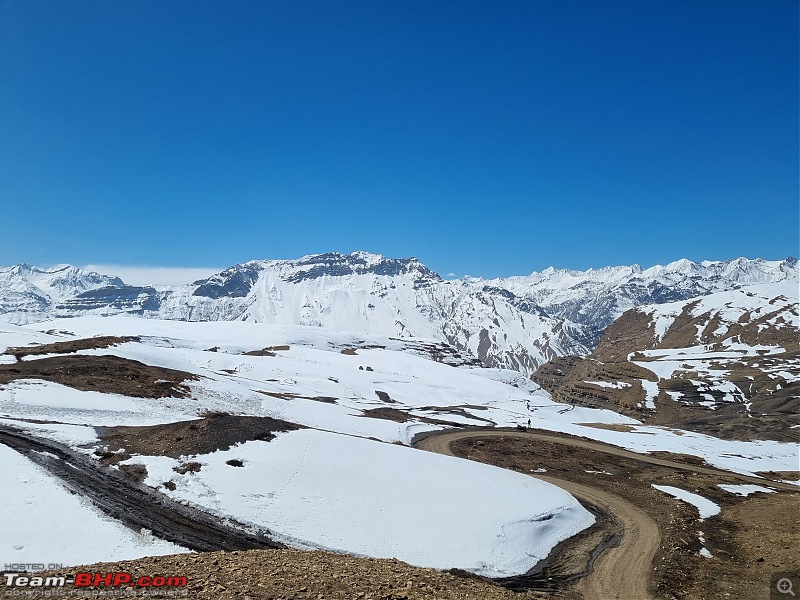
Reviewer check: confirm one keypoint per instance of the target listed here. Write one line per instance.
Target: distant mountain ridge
(727, 364)
(516, 322)
(29, 293)
(596, 297)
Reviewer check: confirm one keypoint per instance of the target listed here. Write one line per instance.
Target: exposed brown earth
(108, 374)
(304, 575)
(268, 351)
(291, 396)
(186, 438)
(401, 416)
(632, 331)
(565, 378)
(752, 539)
(773, 410)
(67, 347)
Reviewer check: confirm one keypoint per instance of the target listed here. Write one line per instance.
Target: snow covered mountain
(359, 292)
(727, 364)
(29, 294)
(517, 323)
(596, 297)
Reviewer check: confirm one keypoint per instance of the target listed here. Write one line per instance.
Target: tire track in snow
(135, 505)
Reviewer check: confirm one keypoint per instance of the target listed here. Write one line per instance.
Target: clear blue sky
(489, 138)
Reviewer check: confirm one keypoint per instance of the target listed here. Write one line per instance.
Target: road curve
(625, 570)
(585, 444)
(619, 572)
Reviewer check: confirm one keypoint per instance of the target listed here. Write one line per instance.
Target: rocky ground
(297, 574)
(70, 346)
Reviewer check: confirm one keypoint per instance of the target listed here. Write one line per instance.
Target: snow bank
(705, 507)
(617, 385)
(320, 489)
(745, 489)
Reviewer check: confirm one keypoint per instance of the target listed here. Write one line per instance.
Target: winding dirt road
(437, 442)
(623, 571)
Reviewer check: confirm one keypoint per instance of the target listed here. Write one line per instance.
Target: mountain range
(727, 364)
(516, 322)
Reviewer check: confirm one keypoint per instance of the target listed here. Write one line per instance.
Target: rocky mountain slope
(517, 323)
(727, 364)
(596, 297)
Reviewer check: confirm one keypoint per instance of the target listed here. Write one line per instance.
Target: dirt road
(622, 571)
(438, 442)
(136, 505)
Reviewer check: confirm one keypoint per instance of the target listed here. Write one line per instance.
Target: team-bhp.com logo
(94, 580)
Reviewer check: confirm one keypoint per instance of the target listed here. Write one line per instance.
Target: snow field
(343, 493)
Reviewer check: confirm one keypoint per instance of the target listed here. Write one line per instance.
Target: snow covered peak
(596, 297)
(750, 270)
(683, 265)
(29, 293)
(334, 264)
(237, 281)
(55, 283)
(233, 282)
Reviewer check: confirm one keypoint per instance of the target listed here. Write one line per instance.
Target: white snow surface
(350, 494)
(745, 489)
(651, 393)
(44, 523)
(704, 506)
(418, 385)
(617, 385)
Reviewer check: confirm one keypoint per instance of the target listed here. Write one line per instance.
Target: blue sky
(489, 138)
